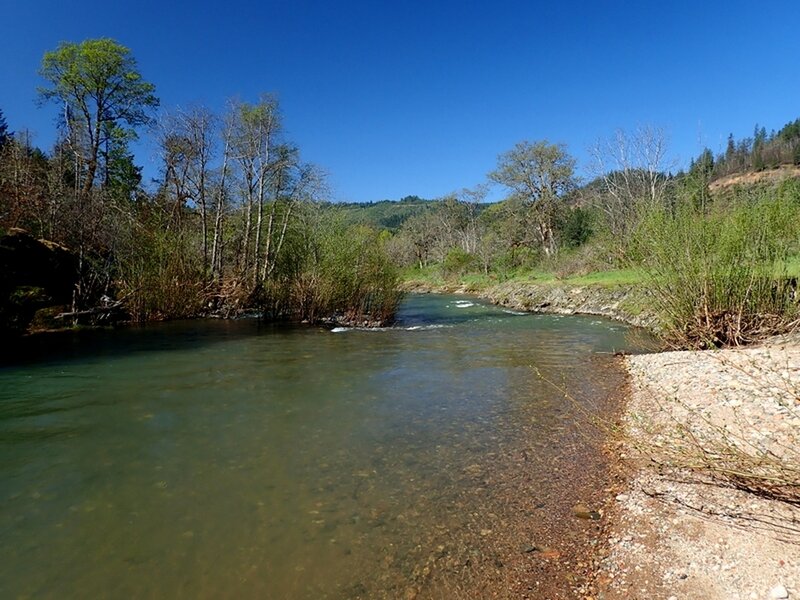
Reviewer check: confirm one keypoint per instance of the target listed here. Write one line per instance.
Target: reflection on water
(230, 459)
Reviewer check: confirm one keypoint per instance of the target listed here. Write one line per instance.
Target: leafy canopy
(536, 171)
(99, 82)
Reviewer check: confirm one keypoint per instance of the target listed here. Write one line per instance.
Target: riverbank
(678, 528)
(678, 523)
(622, 302)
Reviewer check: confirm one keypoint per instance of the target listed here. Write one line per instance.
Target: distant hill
(776, 153)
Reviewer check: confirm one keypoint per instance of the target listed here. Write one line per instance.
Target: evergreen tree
(790, 131)
(704, 165)
(759, 139)
(730, 150)
(5, 135)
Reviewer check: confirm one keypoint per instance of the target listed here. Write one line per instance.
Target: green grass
(792, 266)
(607, 278)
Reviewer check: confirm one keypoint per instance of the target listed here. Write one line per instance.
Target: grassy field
(476, 282)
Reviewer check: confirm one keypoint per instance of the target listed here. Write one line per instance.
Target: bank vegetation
(715, 268)
(235, 221)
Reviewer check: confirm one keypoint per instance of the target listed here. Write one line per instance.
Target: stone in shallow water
(582, 512)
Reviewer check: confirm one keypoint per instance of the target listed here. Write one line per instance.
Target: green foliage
(385, 214)
(97, 85)
(514, 260)
(694, 185)
(157, 273)
(458, 262)
(716, 276)
(101, 75)
(703, 167)
(339, 273)
(790, 131)
(122, 176)
(575, 227)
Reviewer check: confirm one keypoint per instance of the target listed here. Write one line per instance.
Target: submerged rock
(580, 511)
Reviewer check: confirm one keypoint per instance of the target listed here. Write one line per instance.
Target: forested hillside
(384, 214)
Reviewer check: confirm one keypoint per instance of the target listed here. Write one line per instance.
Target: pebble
(779, 592)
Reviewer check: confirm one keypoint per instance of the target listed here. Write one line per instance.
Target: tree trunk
(216, 262)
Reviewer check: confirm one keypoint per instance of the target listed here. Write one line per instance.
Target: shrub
(458, 262)
(717, 276)
(339, 273)
(156, 277)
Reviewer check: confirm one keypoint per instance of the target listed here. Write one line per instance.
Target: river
(212, 459)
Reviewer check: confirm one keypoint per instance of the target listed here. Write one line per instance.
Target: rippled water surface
(216, 459)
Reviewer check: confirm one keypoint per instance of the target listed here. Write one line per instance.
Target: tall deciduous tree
(537, 174)
(187, 140)
(253, 131)
(633, 168)
(103, 96)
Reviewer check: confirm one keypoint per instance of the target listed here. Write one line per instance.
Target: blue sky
(419, 98)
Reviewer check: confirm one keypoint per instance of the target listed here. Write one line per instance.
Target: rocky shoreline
(678, 527)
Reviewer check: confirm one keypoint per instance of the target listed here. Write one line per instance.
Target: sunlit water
(215, 459)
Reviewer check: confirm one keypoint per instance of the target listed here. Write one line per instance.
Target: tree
(187, 140)
(633, 169)
(704, 165)
(253, 131)
(5, 134)
(23, 183)
(102, 94)
(694, 184)
(759, 141)
(292, 181)
(422, 231)
(537, 174)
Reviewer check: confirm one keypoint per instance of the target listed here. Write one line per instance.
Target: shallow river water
(213, 459)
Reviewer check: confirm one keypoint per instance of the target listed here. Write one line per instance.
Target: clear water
(214, 459)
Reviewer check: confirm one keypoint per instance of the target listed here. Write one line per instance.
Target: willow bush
(717, 275)
(157, 277)
(355, 280)
(334, 273)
